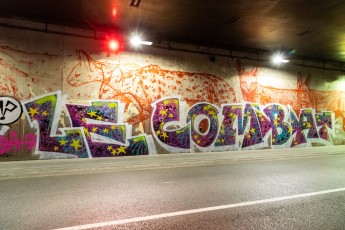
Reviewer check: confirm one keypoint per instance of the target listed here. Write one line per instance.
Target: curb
(60, 167)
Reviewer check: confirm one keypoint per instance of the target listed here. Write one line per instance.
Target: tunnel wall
(67, 97)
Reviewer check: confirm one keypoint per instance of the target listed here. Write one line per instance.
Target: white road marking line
(199, 210)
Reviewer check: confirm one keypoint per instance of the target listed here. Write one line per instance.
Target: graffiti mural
(253, 91)
(141, 86)
(301, 97)
(323, 100)
(237, 126)
(130, 106)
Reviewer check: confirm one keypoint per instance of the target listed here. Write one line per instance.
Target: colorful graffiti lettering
(204, 137)
(239, 126)
(281, 128)
(105, 133)
(250, 130)
(168, 127)
(312, 127)
(43, 114)
(97, 129)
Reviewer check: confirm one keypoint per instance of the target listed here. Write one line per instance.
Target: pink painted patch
(12, 142)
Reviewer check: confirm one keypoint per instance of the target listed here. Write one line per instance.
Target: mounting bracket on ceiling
(134, 3)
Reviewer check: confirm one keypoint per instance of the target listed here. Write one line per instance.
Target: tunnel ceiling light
(114, 12)
(114, 45)
(279, 59)
(136, 41)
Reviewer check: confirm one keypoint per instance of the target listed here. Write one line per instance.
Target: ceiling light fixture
(278, 59)
(136, 41)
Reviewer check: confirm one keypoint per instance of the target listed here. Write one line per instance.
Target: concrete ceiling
(312, 28)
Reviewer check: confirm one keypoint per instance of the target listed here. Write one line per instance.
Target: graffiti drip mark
(10, 106)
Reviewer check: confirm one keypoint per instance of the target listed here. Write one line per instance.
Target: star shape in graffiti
(164, 135)
(45, 113)
(75, 144)
(252, 130)
(171, 115)
(206, 107)
(62, 142)
(290, 129)
(163, 112)
(86, 131)
(113, 152)
(56, 148)
(212, 113)
(110, 148)
(94, 129)
(308, 125)
(121, 149)
(276, 122)
(105, 130)
(33, 112)
(99, 118)
(92, 113)
(112, 105)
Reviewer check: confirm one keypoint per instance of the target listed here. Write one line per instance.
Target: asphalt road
(52, 202)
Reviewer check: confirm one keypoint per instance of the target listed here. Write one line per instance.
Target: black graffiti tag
(10, 110)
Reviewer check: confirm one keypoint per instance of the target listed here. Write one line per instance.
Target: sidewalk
(43, 168)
